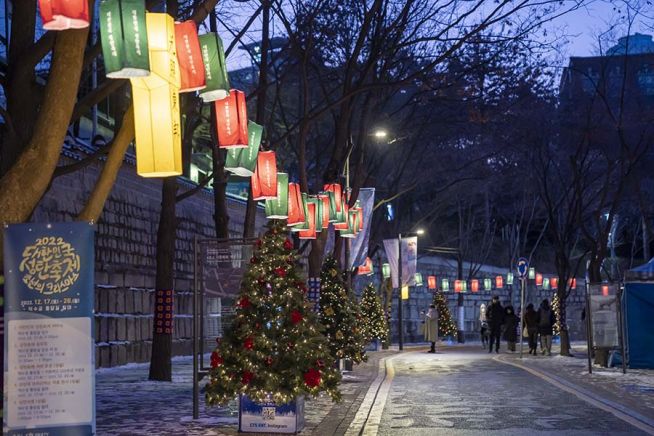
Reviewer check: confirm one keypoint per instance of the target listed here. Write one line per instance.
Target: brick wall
(125, 247)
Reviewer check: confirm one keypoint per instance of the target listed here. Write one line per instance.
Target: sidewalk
(128, 404)
(631, 393)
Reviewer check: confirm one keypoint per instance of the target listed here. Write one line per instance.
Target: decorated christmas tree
(446, 325)
(556, 308)
(274, 349)
(340, 314)
(373, 319)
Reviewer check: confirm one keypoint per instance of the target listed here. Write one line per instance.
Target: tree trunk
(220, 215)
(563, 323)
(160, 360)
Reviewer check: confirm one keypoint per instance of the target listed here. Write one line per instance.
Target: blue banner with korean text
(49, 363)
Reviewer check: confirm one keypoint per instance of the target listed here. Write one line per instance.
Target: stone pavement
(128, 404)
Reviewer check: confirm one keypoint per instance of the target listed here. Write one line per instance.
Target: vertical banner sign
(314, 293)
(49, 342)
(359, 247)
(409, 259)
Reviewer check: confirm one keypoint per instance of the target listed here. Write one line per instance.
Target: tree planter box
(256, 417)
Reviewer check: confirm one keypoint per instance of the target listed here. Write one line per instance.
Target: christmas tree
(373, 320)
(274, 349)
(340, 314)
(556, 308)
(446, 325)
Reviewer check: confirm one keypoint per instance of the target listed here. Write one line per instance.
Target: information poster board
(268, 418)
(49, 351)
(604, 309)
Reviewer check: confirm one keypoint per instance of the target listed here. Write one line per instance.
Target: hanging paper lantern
(572, 283)
(418, 279)
(532, 273)
(310, 233)
(487, 284)
(360, 218)
(366, 268)
(386, 270)
(343, 223)
(243, 161)
(189, 56)
(431, 282)
(64, 14)
(124, 39)
(277, 208)
(352, 226)
(318, 202)
(304, 225)
(232, 120)
(509, 278)
(156, 104)
(458, 285)
(474, 285)
(546, 283)
(333, 215)
(215, 68)
(499, 282)
(554, 282)
(605, 290)
(445, 285)
(405, 292)
(264, 179)
(324, 198)
(295, 205)
(539, 279)
(464, 285)
(337, 204)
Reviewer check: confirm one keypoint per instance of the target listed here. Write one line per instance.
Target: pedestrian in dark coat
(530, 321)
(546, 322)
(495, 319)
(511, 321)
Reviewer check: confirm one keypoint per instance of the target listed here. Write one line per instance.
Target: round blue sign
(523, 267)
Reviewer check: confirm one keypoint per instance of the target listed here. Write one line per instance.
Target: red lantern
(264, 179)
(605, 290)
(572, 283)
(338, 194)
(360, 219)
(431, 282)
(189, 56)
(366, 268)
(311, 232)
(64, 14)
(458, 285)
(295, 205)
(343, 225)
(499, 282)
(232, 120)
(325, 210)
(539, 279)
(474, 285)
(554, 282)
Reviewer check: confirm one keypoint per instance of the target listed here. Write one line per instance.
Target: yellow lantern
(156, 104)
(405, 292)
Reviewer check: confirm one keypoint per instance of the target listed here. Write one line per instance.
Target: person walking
(545, 327)
(495, 318)
(510, 327)
(483, 325)
(431, 327)
(530, 321)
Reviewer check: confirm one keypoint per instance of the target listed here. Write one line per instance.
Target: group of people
(498, 321)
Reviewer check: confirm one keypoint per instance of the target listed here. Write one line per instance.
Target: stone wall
(125, 248)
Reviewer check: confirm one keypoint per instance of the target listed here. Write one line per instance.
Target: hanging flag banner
(409, 259)
(359, 247)
(49, 341)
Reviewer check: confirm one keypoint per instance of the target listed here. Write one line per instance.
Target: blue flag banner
(49, 345)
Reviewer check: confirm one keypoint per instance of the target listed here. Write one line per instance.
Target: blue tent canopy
(638, 307)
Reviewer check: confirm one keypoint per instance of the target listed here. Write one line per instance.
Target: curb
(618, 410)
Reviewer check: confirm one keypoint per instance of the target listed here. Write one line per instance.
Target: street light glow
(380, 133)
(420, 232)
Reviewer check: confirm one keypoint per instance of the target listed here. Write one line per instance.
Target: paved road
(466, 392)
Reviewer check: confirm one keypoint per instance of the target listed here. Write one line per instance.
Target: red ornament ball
(280, 272)
(269, 360)
(247, 377)
(259, 243)
(244, 302)
(296, 317)
(248, 344)
(288, 245)
(253, 260)
(312, 378)
(216, 360)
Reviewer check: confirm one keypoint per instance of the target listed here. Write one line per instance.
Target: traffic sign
(523, 267)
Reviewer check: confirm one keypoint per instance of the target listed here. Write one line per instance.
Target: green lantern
(305, 225)
(215, 68)
(333, 215)
(488, 284)
(277, 208)
(532, 273)
(243, 161)
(464, 286)
(352, 226)
(386, 270)
(445, 285)
(509, 278)
(318, 203)
(418, 279)
(124, 39)
(546, 283)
